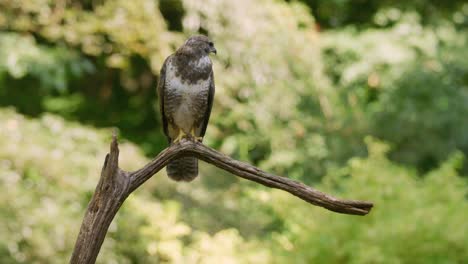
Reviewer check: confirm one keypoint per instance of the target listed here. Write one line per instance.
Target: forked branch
(115, 185)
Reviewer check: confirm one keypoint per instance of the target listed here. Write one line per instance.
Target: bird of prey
(186, 90)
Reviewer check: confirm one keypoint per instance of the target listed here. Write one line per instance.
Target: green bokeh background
(363, 99)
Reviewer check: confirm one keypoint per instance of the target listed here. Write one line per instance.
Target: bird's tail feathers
(183, 169)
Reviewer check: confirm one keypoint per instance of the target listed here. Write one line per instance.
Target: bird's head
(201, 44)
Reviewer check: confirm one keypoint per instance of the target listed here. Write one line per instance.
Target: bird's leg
(192, 133)
(180, 136)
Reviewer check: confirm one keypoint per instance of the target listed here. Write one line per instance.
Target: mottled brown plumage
(186, 90)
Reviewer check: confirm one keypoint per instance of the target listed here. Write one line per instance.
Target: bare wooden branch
(115, 185)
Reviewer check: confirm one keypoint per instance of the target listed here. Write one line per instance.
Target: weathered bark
(115, 185)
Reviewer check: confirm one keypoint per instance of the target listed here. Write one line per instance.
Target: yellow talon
(180, 136)
(192, 133)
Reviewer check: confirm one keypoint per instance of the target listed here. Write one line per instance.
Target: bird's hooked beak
(213, 49)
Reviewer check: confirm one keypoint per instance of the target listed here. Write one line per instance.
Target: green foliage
(123, 42)
(406, 85)
(333, 88)
(21, 56)
(115, 29)
(415, 220)
(49, 169)
(49, 179)
(365, 13)
(291, 99)
(269, 73)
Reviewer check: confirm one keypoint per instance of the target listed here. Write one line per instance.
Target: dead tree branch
(115, 185)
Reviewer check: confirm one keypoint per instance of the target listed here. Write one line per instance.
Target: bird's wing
(206, 117)
(161, 91)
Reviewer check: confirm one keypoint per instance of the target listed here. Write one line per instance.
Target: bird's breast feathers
(202, 63)
(176, 82)
(188, 99)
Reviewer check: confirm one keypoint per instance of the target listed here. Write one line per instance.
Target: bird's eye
(210, 43)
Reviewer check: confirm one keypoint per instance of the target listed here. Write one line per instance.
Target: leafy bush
(291, 99)
(406, 85)
(272, 101)
(416, 219)
(21, 56)
(49, 169)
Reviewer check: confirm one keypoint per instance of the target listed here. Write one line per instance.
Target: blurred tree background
(362, 98)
